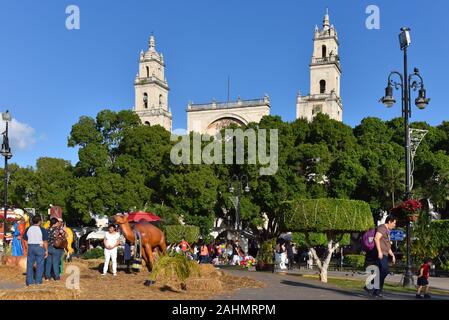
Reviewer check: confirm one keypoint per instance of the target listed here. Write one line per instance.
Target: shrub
(266, 251)
(328, 215)
(356, 261)
(175, 233)
(97, 253)
(439, 231)
(333, 217)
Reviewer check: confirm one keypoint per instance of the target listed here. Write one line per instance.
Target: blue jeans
(36, 255)
(383, 269)
(53, 261)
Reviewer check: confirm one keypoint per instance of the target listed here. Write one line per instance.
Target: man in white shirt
(111, 243)
(36, 239)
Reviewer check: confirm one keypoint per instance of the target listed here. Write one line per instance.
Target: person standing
(423, 280)
(17, 248)
(111, 243)
(290, 255)
(204, 253)
(195, 253)
(22, 227)
(383, 246)
(56, 237)
(127, 256)
(36, 238)
(184, 246)
(229, 251)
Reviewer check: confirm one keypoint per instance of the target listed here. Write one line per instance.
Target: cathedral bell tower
(151, 89)
(325, 75)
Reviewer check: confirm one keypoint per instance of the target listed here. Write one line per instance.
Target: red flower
(408, 207)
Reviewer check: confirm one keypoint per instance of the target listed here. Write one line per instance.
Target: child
(423, 279)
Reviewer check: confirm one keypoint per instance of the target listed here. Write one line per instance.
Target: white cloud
(21, 135)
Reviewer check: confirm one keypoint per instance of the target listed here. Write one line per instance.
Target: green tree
(54, 179)
(333, 217)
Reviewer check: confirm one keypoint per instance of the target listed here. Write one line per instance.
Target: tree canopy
(327, 215)
(126, 166)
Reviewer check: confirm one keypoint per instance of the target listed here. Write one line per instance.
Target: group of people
(285, 254)
(217, 253)
(44, 249)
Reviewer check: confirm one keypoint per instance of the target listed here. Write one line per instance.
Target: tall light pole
(406, 85)
(6, 152)
(237, 192)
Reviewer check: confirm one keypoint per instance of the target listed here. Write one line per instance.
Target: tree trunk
(392, 199)
(323, 266)
(323, 275)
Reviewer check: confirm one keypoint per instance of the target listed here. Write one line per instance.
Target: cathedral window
(145, 100)
(322, 86)
(317, 109)
(324, 51)
(148, 72)
(160, 100)
(147, 123)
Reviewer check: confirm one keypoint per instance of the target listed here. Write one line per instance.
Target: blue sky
(50, 76)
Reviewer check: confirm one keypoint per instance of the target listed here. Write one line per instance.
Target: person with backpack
(423, 279)
(369, 247)
(36, 238)
(383, 248)
(57, 242)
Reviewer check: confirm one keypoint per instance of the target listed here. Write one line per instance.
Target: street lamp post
(237, 192)
(406, 85)
(5, 152)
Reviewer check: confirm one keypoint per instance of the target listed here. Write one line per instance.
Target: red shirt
(426, 270)
(184, 245)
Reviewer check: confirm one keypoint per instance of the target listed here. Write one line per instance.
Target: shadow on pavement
(326, 288)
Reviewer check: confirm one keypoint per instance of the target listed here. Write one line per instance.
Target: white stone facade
(212, 117)
(151, 89)
(325, 76)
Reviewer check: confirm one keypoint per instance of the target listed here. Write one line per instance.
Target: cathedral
(151, 91)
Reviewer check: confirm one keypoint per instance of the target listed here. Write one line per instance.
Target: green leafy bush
(266, 251)
(356, 261)
(97, 253)
(439, 231)
(175, 233)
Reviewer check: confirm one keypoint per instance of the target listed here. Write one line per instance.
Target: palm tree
(394, 181)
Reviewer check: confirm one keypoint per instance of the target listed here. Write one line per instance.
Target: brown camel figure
(151, 238)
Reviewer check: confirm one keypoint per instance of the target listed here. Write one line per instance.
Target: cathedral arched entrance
(224, 122)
